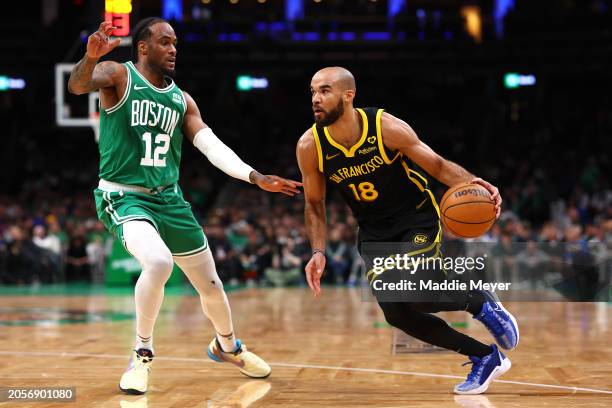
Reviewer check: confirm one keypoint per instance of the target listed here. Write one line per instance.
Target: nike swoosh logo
(138, 88)
(328, 157)
(237, 362)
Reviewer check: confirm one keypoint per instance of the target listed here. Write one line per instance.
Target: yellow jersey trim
(414, 180)
(350, 152)
(409, 172)
(433, 201)
(381, 146)
(315, 134)
(420, 176)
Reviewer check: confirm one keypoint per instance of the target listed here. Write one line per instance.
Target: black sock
(475, 300)
(433, 330)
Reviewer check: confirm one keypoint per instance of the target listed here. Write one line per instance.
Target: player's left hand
(495, 196)
(275, 184)
(314, 271)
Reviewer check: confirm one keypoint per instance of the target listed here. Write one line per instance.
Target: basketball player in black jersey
(375, 159)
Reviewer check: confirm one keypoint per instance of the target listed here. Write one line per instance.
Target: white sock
(227, 342)
(201, 272)
(145, 343)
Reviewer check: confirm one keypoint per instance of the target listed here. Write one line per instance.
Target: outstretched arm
(224, 158)
(87, 75)
(314, 209)
(398, 135)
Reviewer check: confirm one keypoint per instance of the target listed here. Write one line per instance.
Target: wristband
(314, 251)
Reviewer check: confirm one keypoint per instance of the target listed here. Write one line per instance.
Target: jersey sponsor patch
(367, 150)
(177, 98)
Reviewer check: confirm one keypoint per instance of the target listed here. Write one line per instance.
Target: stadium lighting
(246, 83)
(512, 80)
(172, 10)
(394, 7)
(294, 9)
(7, 83)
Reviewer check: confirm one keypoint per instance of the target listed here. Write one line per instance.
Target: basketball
(467, 210)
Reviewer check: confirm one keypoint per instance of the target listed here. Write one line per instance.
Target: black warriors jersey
(387, 193)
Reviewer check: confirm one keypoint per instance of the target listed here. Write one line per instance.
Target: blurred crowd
(263, 240)
(52, 240)
(260, 238)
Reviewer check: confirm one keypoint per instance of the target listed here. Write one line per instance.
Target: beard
(158, 67)
(328, 118)
(169, 72)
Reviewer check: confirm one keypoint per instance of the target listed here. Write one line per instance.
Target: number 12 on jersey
(155, 157)
(364, 191)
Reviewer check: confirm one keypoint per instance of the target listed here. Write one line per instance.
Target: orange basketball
(467, 210)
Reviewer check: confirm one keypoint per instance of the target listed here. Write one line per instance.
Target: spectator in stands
(286, 265)
(338, 255)
(77, 261)
(49, 252)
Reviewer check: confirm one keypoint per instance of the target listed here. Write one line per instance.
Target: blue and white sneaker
(484, 370)
(500, 323)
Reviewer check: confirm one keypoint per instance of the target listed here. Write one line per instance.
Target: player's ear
(142, 47)
(349, 95)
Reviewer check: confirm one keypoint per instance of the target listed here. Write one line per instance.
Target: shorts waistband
(111, 186)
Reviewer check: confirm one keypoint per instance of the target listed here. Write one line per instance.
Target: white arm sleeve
(221, 156)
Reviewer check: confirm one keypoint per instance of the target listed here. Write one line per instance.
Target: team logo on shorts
(420, 239)
(371, 139)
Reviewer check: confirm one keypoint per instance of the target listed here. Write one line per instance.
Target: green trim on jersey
(141, 136)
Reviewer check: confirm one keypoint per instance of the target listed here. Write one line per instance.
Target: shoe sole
(518, 336)
(217, 360)
(498, 371)
(131, 391)
(501, 306)
(252, 376)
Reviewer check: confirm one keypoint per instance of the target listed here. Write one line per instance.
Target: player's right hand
(314, 271)
(495, 196)
(98, 44)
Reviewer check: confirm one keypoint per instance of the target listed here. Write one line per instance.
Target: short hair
(143, 33)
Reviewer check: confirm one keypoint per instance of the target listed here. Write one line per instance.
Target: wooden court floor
(334, 351)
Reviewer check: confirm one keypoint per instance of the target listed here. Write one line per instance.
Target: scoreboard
(118, 12)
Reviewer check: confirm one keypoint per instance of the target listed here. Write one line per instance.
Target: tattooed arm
(87, 75)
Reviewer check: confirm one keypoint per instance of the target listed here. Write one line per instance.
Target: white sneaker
(136, 378)
(249, 363)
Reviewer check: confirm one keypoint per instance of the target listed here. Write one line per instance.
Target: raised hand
(98, 44)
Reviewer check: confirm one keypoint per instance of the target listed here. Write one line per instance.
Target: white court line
(320, 367)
